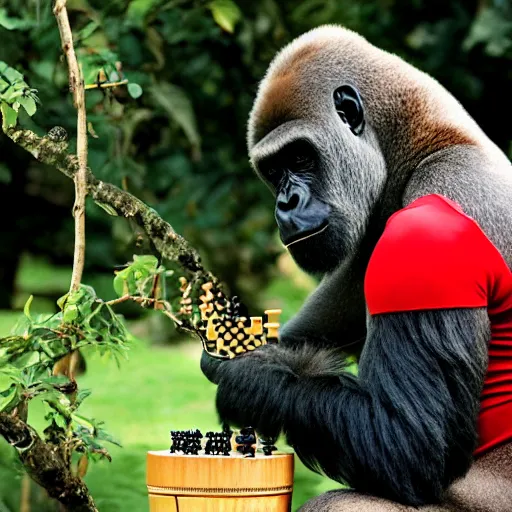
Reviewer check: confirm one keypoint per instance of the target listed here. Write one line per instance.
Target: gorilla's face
(326, 173)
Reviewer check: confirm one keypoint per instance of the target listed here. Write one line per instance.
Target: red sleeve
(430, 256)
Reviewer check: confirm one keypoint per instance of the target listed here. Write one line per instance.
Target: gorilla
(391, 193)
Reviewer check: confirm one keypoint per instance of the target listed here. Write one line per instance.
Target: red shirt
(433, 256)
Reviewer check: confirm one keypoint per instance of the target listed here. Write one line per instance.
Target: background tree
(181, 144)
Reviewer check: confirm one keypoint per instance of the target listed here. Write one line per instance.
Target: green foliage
(138, 278)
(38, 341)
(181, 144)
(135, 90)
(156, 390)
(492, 30)
(15, 93)
(12, 23)
(226, 13)
(175, 102)
(29, 355)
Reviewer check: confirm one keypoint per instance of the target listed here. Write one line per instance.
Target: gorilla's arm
(404, 429)
(341, 321)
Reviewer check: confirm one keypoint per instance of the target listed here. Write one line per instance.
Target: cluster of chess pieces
(245, 442)
(225, 327)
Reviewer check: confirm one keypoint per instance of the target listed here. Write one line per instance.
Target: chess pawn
(268, 444)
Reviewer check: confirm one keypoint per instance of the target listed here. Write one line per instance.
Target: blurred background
(176, 139)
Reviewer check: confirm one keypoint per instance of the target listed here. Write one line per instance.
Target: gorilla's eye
(349, 106)
(271, 174)
(301, 163)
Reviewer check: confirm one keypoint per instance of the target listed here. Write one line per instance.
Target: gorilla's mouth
(304, 235)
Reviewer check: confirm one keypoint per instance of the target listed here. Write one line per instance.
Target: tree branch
(115, 201)
(76, 86)
(46, 465)
(106, 85)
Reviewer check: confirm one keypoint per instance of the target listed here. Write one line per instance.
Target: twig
(160, 304)
(76, 86)
(106, 85)
(119, 300)
(25, 494)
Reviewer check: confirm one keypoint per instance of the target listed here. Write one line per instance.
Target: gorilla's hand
(256, 389)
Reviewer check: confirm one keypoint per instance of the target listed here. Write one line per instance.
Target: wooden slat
(261, 504)
(162, 503)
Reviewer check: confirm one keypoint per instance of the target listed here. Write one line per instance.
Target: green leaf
(9, 116)
(81, 396)
(28, 104)
(26, 307)
(28, 359)
(491, 29)
(139, 9)
(178, 106)
(70, 313)
(60, 420)
(146, 261)
(134, 278)
(13, 23)
(88, 30)
(61, 301)
(10, 73)
(9, 374)
(103, 435)
(83, 422)
(226, 13)
(109, 209)
(8, 398)
(11, 371)
(135, 90)
(119, 281)
(56, 380)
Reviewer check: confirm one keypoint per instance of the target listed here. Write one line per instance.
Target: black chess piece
(226, 440)
(218, 443)
(193, 440)
(177, 441)
(246, 442)
(268, 445)
(187, 442)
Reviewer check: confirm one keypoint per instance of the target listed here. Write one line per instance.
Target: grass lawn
(159, 388)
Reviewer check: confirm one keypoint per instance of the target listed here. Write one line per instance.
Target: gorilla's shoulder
(430, 219)
(431, 255)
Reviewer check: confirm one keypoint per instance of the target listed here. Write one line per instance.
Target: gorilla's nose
(298, 220)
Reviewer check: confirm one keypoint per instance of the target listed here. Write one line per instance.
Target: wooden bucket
(213, 483)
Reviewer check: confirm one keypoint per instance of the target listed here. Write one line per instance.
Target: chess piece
(268, 444)
(187, 442)
(218, 443)
(245, 442)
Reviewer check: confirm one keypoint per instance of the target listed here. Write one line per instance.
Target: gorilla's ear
(349, 106)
